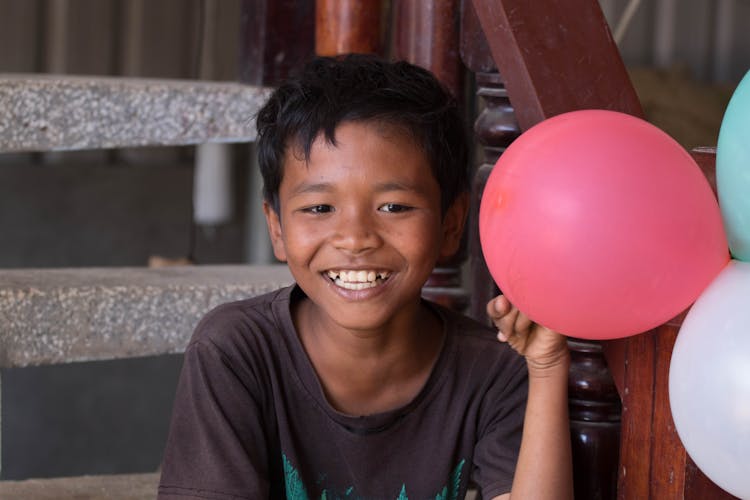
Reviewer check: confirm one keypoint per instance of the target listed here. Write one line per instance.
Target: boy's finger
(522, 323)
(518, 342)
(506, 323)
(498, 307)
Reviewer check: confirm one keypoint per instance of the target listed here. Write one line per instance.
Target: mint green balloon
(733, 170)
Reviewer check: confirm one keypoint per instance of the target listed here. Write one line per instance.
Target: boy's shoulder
(262, 314)
(457, 323)
(476, 341)
(484, 368)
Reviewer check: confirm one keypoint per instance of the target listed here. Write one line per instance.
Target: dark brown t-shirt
(250, 419)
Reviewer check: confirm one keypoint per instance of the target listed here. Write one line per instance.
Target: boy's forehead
(367, 150)
(399, 134)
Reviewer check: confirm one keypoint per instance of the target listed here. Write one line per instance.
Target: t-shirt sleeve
(216, 447)
(501, 426)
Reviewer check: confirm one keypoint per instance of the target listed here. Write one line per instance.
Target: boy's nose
(356, 233)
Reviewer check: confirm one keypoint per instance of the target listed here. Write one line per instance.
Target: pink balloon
(599, 225)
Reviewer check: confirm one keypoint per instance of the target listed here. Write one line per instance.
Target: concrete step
(109, 487)
(55, 112)
(51, 316)
(115, 487)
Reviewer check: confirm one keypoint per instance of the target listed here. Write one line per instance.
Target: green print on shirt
(295, 489)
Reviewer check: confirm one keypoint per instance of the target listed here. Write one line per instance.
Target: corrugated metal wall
(710, 37)
(133, 38)
(144, 38)
(161, 38)
(685, 58)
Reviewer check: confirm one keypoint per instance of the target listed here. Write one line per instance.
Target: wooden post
(653, 462)
(277, 36)
(425, 33)
(343, 26)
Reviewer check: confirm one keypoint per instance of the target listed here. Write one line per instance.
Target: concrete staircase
(51, 113)
(54, 316)
(114, 487)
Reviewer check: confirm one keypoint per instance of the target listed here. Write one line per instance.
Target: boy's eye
(318, 209)
(394, 208)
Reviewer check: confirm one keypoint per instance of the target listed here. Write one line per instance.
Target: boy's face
(360, 225)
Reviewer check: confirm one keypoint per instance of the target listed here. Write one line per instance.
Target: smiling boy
(348, 384)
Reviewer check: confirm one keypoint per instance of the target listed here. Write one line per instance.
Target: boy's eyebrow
(327, 187)
(305, 187)
(396, 186)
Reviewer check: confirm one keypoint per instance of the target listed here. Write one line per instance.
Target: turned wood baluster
(495, 129)
(425, 33)
(594, 402)
(595, 411)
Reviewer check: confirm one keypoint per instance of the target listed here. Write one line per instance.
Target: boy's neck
(364, 373)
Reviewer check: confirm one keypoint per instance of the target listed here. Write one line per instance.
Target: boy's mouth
(357, 280)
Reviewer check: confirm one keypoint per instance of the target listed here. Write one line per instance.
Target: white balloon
(709, 380)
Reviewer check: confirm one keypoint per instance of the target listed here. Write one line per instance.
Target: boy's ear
(274, 231)
(453, 226)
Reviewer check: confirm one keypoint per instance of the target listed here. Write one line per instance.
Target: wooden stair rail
(556, 56)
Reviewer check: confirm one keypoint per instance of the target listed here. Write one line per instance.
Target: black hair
(363, 88)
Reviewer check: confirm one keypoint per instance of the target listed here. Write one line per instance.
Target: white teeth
(355, 286)
(357, 280)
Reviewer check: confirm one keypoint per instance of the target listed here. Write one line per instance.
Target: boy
(348, 384)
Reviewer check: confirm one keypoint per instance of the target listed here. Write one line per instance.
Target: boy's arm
(544, 468)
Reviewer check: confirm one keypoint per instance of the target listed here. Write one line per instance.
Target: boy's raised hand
(544, 469)
(544, 349)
